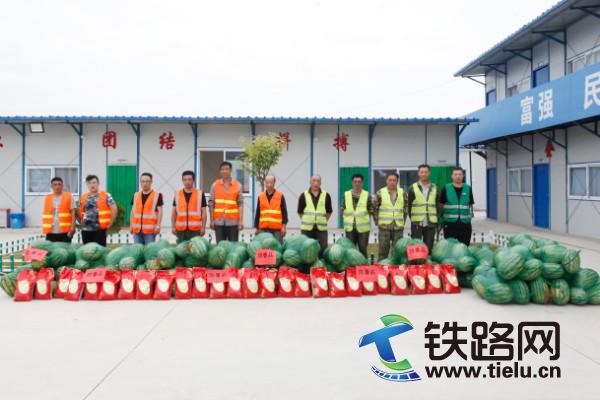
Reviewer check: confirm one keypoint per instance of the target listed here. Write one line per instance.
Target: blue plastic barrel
(17, 220)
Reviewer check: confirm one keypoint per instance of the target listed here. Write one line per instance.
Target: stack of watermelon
(262, 241)
(535, 270)
(343, 254)
(399, 255)
(301, 252)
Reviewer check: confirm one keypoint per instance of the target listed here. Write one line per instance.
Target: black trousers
(186, 235)
(360, 239)
(98, 236)
(425, 233)
(316, 234)
(58, 237)
(459, 231)
(223, 232)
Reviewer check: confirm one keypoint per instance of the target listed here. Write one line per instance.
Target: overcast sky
(366, 58)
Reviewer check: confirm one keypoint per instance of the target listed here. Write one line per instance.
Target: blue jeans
(144, 238)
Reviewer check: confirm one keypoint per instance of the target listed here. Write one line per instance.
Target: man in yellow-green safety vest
(357, 208)
(314, 209)
(390, 211)
(422, 207)
(456, 202)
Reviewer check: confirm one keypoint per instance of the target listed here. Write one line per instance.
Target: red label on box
(217, 275)
(31, 254)
(265, 257)
(417, 251)
(367, 273)
(95, 275)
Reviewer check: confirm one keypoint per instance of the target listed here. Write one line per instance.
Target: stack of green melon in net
(540, 271)
(342, 254)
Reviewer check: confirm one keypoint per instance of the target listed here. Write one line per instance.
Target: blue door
(492, 197)
(541, 195)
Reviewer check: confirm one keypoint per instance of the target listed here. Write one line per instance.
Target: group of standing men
(451, 208)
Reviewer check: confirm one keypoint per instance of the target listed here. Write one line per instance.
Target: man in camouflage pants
(390, 211)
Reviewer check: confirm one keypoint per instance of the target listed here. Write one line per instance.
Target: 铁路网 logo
(401, 371)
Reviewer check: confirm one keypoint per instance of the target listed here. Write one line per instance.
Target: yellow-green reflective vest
(422, 207)
(389, 212)
(360, 214)
(457, 209)
(312, 216)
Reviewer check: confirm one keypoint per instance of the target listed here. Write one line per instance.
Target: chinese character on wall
(284, 138)
(109, 139)
(526, 112)
(592, 90)
(340, 142)
(166, 141)
(545, 104)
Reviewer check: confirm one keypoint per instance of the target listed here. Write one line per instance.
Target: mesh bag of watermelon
(352, 283)
(183, 283)
(127, 286)
(43, 284)
(75, 286)
(318, 281)
(91, 291)
(369, 281)
(302, 285)
(251, 283)
(383, 284)
(449, 279)
(164, 284)
(399, 280)
(144, 282)
(434, 279)
(337, 286)
(62, 286)
(25, 284)
(200, 286)
(417, 276)
(109, 288)
(268, 282)
(234, 283)
(286, 281)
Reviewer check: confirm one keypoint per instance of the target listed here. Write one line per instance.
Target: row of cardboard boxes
(188, 283)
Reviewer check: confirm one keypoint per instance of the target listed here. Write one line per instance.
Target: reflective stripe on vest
(457, 209)
(65, 219)
(144, 217)
(422, 207)
(312, 216)
(270, 211)
(226, 202)
(389, 212)
(189, 214)
(104, 212)
(360, 216)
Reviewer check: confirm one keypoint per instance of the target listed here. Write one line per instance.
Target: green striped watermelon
(354, 257)
(585, 278)
(561, 293)
(552, 270)
(532, 269)
(498, 293)
(334, 254)
(466, 264)
(571, 261)
(578, 296)
(520, 291)
(309, 251)
(292, 258)
(199, 247)
(553, 253)
(508, 264)
(217, 256)
(594, 294)
(127, 263)
(540, 291)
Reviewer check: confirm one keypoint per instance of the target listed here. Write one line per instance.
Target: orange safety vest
(144, 217)
(104, 212)
(270, 211)
(65, 219)
(189, 215)
(226, 204)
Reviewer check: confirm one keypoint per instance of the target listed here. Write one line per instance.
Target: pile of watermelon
(532, 270)
(341, 255)
(399, 255)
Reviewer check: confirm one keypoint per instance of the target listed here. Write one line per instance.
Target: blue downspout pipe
(20, 128)
(370, 179)
(253, 131)
(195, 134)
(312, 148)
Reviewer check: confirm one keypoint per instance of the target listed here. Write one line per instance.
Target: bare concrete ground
(272, 348)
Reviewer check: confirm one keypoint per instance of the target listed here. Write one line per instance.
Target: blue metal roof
(525, 37)
(235, 120)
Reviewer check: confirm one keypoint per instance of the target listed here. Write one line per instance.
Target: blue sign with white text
(573, 97)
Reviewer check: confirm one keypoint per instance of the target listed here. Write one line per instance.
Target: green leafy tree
(260, 155)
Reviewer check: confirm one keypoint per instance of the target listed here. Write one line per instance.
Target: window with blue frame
(490, 97)
(541, 75)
